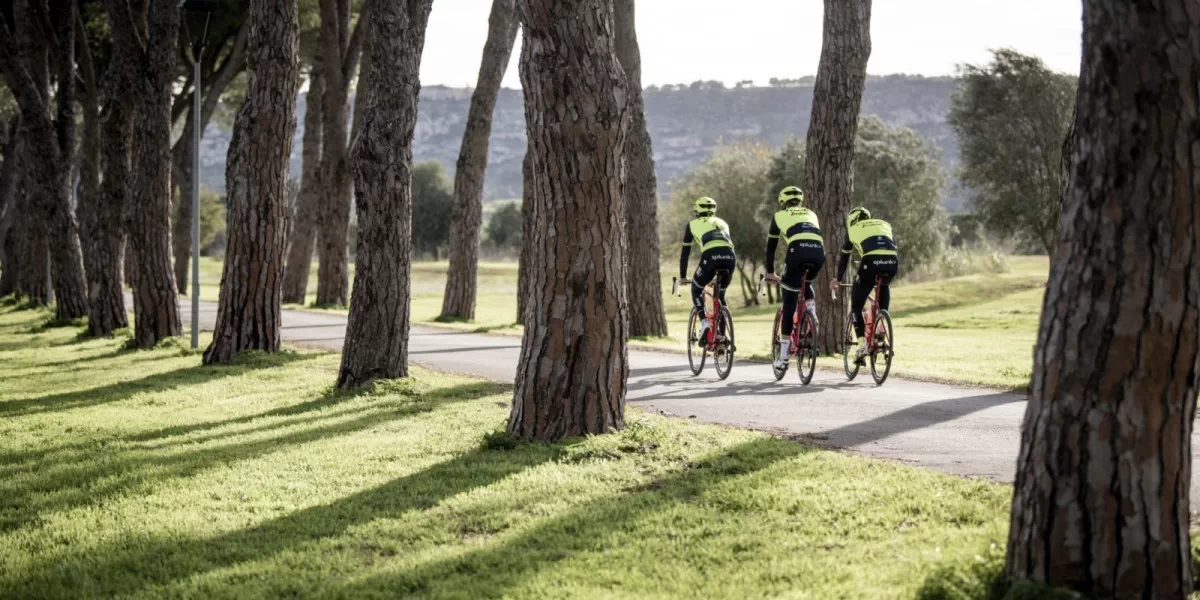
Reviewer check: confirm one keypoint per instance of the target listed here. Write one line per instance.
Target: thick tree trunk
(10, 181)
(528, 223)
(376, 344)
(33, 252)
(467, 214)
(148, 215)
(182, 153)
(829, 165)
(333, 270)
(256, 179)
(646, 317)
(304, 224)
(1101, 502)
(573, 369)
(99, 224)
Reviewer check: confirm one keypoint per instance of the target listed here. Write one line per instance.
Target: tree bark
(829, 165)
(99, 224)
(376, 344)
(33, 251)
(1101, 498)
(182, 153)
(333, 271)
(51, 142)
(248, 316)
(467, 214)
(528, 223)
(573, 369)
(303, 239)
(10, 181)
(644, 281)
(150, 52)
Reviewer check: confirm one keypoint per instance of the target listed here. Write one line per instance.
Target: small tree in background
(1011, 117)
(433, 203)
(504, 228)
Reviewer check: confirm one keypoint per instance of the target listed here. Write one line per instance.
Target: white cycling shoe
(781, 363)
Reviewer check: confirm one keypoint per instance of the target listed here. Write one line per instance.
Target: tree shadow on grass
(158, 382)
(499, 568)
(118, 571)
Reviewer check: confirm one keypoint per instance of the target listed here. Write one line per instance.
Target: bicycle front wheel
(849, 364)
(696, 353)
(778, 372)
(881, 349)
(723, 357)
(806, 354)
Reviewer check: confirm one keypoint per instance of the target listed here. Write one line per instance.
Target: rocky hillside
(686, 123)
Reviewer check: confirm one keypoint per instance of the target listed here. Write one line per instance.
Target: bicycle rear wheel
(696, 354)
(806, 354)
(849, 364)
(881, 351)
(779, 373)
(723, 357)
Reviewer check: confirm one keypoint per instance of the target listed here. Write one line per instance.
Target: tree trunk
(1101, 498)
(829, 165)
(303, 239)
(528, 223)
(646, 317)
(148, 214)
(33, 252)
(10, 181)
(182, 151)
(333, 273)
(256, 179)
(467, 214)
(376, 344)
(573, 369)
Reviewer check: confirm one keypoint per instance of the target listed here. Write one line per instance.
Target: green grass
(974, 330)
(143, 474)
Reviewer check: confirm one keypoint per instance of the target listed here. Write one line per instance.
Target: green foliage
(736, 176)
(1011, 117)
(982, 578)
(432, 203)
(957, 262)
(504, 228)
(212, 219)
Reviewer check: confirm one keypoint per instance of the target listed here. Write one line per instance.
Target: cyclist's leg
(885, 266)
(863, 284)
(726, 264)
(700, 279)
(789, 308)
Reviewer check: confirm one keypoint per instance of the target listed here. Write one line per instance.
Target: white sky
(730, 40)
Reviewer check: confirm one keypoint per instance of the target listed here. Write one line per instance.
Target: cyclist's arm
(687, 250)
(772, 242)
(847, 249)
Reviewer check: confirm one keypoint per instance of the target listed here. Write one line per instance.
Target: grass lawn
(976, 330)
(146, 475)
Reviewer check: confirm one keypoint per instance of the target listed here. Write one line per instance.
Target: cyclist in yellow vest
(801, 231)
(716, 252)
(873, 241)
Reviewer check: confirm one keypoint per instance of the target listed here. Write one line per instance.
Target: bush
(957, 262)
(983, 578)
(504, 228)
(432, 203)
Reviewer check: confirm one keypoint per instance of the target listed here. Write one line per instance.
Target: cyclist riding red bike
(872, 239)
(716, 254)
(805, 255)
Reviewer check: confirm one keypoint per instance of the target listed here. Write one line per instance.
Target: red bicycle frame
(712, 316)
(872, 314)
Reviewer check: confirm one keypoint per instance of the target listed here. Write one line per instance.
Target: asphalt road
(959, 430)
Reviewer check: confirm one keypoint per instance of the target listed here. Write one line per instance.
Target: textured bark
(10, 181)
(33, 251)
(1101, 500)
(182, 152)
(467, 215)
(376, 344)
(99, 225)
(304, 223)
(573, 369)
(528, 223)
(644, 282)
(51, 141)
(150, 53)
(829, 165)
(248, 316)
(333, 272)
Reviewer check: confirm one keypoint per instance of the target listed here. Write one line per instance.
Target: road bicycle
(878, 337)
(804, 334)
(718, 338)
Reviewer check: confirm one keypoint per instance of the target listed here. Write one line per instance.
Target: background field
(977, 329)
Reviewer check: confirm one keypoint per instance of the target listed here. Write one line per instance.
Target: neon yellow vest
(798, 223)
(710, 232)
(873, 237)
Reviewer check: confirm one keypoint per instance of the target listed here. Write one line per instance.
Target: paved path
(965, 431)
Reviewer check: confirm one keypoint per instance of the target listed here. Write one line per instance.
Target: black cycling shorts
(802, 257)
(716, 259)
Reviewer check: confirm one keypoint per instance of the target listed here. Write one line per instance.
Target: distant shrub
(957, 262)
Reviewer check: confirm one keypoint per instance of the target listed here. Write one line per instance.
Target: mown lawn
(144, 474)
(975, 330)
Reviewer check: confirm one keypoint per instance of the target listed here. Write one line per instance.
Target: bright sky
(685, 40)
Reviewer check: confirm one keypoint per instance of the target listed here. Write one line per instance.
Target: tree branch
(87, 67)
(354, 48)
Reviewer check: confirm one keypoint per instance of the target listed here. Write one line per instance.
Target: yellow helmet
(705, 205)
(857, 214)
(791, 194)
